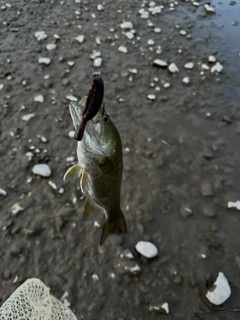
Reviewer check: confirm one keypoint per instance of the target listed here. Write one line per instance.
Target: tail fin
(115, 226)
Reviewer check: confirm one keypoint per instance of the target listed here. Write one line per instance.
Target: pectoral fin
(91, 209)
(73, 172)
(84, 182)
(107, 166)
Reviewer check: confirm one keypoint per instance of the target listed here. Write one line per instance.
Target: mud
(180, 151)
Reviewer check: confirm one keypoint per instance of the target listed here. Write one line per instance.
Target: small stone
(29, 116)
(126, 25)
(1, 86)
(160, 63)
(45, 61)
(3, 192)
(151, 97)
(128, 266)
(157, 30)
(156, 10)
(42, 170)
(100, 7)
(61, 191)
(95, 54)
(123, 49)
(16, 208)
(186, 211)
(39, 98)
(127, 254)
(211, 59)
(159, 308)
(147, 249)
(133, 70)
(71, 63)
(173, 68)
(143, 13)
(196, 4)
(129, 35)
(183, 32)
(189, 65)
(80, 38)
(56, 36)
(51, 46)
(71, 97)
(220, 291)
(52, 185)
(208, 8)
(71, 134)
(235, 205)
(40, 35)
(186, 81)
(217, 68)
(70, 159)
(167, 85)
(150, 42)
(206, 189)
(209, 211)
(205, 66)
(98, 62)
(65, 82)
(95, 277)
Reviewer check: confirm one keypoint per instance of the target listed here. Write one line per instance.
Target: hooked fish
(94, 102)
(99, 168)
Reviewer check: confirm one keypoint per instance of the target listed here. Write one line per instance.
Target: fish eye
(105, 118)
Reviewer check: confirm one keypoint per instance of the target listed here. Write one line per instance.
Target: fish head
(100, 135)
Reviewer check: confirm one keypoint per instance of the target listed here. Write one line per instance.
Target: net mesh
(33, 301)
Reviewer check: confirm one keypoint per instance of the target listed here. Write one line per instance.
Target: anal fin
(91, 209)
(84, 182)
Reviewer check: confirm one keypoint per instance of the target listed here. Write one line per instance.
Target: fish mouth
(91, 137)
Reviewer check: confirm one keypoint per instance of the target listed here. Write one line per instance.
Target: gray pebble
(207, 189)
(209, 211)
(186, 210)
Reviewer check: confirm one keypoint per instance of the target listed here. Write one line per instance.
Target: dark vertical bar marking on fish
(94, 102)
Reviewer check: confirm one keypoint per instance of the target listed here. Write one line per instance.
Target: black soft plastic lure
(93, 104)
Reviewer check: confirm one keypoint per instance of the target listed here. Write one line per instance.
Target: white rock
(133, 70)
(71, 134)
(150, 42)
(16, 208)
(80, 38)
(45, 61)
(95, 54)
(211, 59)
(160, 63)
(183, 32)
(165, 307)
(186, 80)
(147, 249)
(61, 191)
(39, 98)
(56, 36)
(42, 138)
(167, 85)
(52, 185)
(235, 205)
(189, 65)
(196, 4)
(126, 25)
(27, 117)
(71, 63)
(40, 35)
(51, 46)
(209, 9)
(205, 66)
(217, 68)
(3, 192)
(98, 62)
(98, 40)
(77, 12)
(151, 97)
(173, 68)
(156, 10)
(144, 14)
(220, 292)
(129, 35)
(1, 86)
(123, 49)
(157, 30)
(95, 277)
(71, 97)
(70, 159)
(100, 7)
(42, 170)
